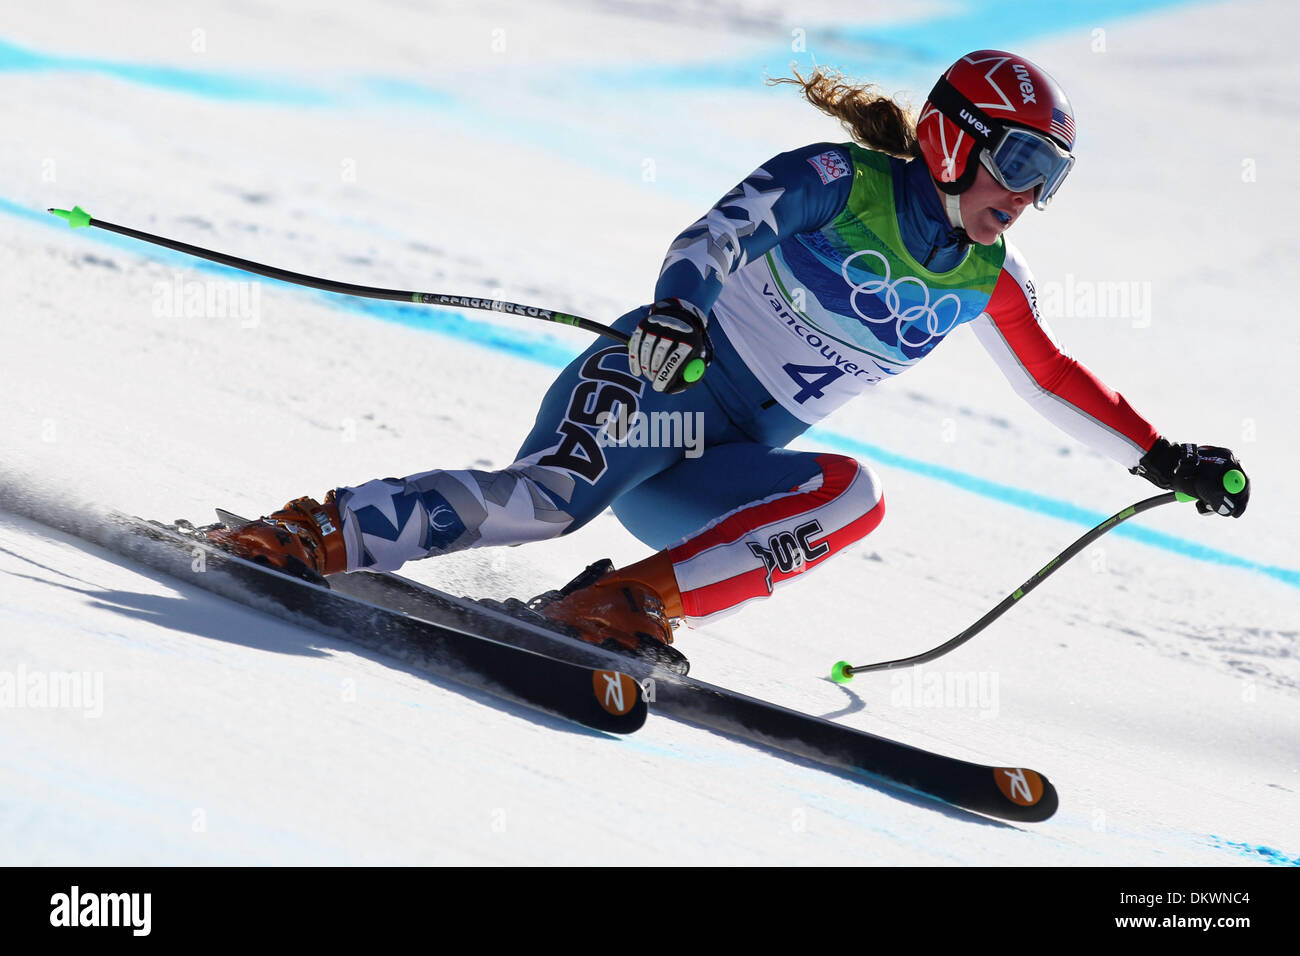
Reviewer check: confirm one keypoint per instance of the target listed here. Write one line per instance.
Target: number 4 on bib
(811, 379)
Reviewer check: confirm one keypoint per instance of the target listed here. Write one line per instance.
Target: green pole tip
(694, 370)
(76, 217)
(842, 672)
(1234, 481)
(1182, 497)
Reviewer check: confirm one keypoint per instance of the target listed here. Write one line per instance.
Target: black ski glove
(1205, 472)
(671, 346)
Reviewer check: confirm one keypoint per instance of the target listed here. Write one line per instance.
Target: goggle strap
(949, 101)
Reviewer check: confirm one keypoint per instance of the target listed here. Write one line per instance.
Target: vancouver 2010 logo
(934, 320)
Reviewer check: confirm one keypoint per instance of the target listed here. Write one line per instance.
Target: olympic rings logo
(902, 317)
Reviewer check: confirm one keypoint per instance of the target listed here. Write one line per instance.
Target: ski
(1008, 793)
(600, 697)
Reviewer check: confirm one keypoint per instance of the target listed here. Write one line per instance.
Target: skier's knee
(850, 499)
(866, 499)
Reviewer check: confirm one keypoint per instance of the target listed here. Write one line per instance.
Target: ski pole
(842, 672)
(78, 218)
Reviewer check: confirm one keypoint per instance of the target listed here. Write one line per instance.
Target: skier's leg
(567, 471)
(743, 518)
(390, 521)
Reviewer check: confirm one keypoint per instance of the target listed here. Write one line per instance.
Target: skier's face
(984, 201)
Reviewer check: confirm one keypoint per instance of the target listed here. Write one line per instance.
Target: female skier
(827, 270)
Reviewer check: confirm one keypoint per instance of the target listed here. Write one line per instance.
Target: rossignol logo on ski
(616, 692)
(1020, 786)
(790, 551)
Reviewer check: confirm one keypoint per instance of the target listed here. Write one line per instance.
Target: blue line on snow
(211, 84)
(443, 321)
(948, 31)
(1265, 853)
(998, 24)
(1051, 507)
(929, 43)
(552, 353)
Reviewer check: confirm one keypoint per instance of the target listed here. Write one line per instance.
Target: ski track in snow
(1159, 693)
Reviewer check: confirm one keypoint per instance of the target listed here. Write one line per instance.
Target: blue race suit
(828, 270)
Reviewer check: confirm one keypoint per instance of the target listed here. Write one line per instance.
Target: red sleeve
(1060, 387)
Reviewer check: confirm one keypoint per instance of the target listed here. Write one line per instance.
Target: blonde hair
(872, 118)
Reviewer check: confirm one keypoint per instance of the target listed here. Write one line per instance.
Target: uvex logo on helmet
(978, 98)
(1026, 84)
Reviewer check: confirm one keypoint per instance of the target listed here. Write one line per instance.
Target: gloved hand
(671, 346)
(1198, 471)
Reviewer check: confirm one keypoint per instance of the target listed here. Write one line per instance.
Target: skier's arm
(791, 193)
(1058, 386)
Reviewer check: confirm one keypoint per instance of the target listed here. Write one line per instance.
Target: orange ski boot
(627, 610)
(304, 538)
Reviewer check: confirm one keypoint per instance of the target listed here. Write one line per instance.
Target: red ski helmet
(1000, 110)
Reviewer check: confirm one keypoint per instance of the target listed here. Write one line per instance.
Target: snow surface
(547, 153)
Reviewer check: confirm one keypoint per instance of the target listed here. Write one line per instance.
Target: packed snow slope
(547, 153)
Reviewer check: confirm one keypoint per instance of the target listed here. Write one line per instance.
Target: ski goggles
(1022, 158)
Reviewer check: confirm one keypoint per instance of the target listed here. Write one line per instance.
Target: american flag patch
(1062, 127)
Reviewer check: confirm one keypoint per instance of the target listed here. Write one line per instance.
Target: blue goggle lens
(1023, 159)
